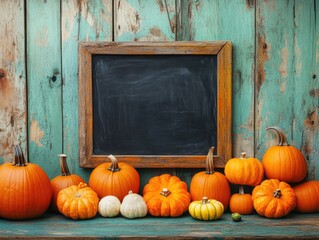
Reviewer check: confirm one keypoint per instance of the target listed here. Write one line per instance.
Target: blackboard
(154, 105)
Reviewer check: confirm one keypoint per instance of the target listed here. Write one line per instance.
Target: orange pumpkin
(25, 189)
(166, 195)
(78, 202)
(241, 202)
(66, 179)
(307, 194)
(244, 171)
(273, 198)
(115, 179)
(284, 162)
(211, 184)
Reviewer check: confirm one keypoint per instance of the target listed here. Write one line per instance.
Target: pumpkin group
(206, 209)
(25, 189)
(166, 195)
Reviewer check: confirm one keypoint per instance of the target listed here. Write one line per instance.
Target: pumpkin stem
(19, 159)
(64, 166)
(281, 135)
(210, 161)
(243, 155)
(241, 189)
(115, 165)
(204, 200)
(277, 193)
(165, 192)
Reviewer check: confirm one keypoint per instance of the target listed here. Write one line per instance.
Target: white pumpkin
(133, 206)
(109, 206)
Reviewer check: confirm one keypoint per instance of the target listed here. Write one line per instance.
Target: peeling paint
(284, 59)
(36, 134)
(161, 5)
(314, 92)
(263, 57)
(155, 34)
(312, 120)
(6, 90)
(128, 19)
(242, 144)
(298, 61)
(283, 87)
(68, 20)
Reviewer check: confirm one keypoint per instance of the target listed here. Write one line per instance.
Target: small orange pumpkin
(78, 202)
(273, 198)
(244, 171)
(211, 184)
(115, 179)
(241, 202)
(284, 162)
(307, 194)
(66, 179)
(166, 196)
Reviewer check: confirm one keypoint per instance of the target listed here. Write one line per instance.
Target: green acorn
(236, 217)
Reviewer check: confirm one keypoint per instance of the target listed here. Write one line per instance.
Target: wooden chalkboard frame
(223, 51)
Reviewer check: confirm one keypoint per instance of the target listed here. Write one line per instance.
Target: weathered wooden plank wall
(275, 68)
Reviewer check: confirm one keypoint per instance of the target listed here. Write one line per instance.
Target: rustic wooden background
(275, 68)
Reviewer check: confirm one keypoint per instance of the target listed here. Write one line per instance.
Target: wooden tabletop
(54, 226)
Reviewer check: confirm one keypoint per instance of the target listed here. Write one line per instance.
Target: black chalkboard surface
(154, 105)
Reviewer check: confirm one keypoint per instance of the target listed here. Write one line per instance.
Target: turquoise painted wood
(44, 84)
(295, 226)
(13, 126)
(287, 76)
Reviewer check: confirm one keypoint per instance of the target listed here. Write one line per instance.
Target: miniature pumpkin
(78, 202)
(241, 202)
(133, 206)
(115, 179)
(206, 209)
(244, 171)
(273, 198)
(284, 162)
(307, 194)
(25, 189)
(66, 179)
(166, 195)
(211, 184)
(109, 206)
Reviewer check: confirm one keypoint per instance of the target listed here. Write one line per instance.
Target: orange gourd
(115, 179)
(211, 184)
(284, 162)
(25, 189)
(244, 171)
(273, 198)
(78, 202)
(166, 196)
(66, 179)
(241, 202)
(307, 194)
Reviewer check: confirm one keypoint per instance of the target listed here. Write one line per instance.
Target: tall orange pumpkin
(209, 183)
(284, 162)
(66, 179)
(25, 189)
(115, 179)
(307, 194)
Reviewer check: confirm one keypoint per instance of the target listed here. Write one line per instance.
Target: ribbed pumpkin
(25, 189)
(166, 196)
(273, 198)
(211, 184)
(115, 179)
(66, 179)
(284, 162)
(307, 194)
(244, 171)
(78, 202)
(241, 202)
(206, 209)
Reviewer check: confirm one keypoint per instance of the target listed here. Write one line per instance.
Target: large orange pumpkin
(25, 189)
(115, 179)
(284, 162)
(244, 171)
(241, 202)
(273, 198)
(66, 179)
(307, 194)
(166, 196)
(211, 184)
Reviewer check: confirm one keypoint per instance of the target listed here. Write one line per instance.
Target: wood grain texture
(287, 76)
(12, 78)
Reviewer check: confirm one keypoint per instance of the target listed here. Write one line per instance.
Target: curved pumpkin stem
(64, 166)
(114, 165)
(19, 159)
(210, 161)
(281, 135)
